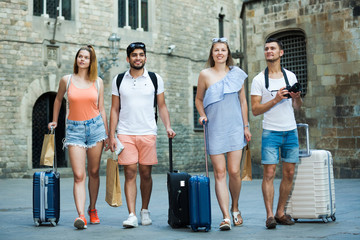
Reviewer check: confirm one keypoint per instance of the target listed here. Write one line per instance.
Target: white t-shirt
(137, 115)
(281, 116)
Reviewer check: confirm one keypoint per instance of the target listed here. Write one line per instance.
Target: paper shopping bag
(246, 173)
(113, 189)
(48, 150)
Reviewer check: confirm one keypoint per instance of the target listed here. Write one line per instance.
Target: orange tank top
(83, 103)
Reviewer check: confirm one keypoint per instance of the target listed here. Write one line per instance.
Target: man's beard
(137, 67)
(272, 60)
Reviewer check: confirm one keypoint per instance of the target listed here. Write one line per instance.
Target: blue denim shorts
(85, 133)
(286, 141)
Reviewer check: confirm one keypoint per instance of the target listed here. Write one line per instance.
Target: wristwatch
(247, 125)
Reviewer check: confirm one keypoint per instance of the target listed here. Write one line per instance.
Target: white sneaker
(131, 222)
(145, 217)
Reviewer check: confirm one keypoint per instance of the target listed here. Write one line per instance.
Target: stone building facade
(36, 51)
(331, 105)
(34, 57)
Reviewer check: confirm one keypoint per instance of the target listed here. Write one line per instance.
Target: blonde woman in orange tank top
(86, 129)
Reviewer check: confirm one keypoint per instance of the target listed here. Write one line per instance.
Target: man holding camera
(276, 93)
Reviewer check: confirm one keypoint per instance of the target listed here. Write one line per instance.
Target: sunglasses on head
(87, 48)
(137, 45)
(222, 40)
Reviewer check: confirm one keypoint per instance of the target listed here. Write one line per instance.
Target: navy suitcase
(200, 204)
(177, 184)
(46, 196)
(199, 199)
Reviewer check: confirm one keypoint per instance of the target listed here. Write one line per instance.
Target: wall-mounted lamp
(237, 55)
(105, 63)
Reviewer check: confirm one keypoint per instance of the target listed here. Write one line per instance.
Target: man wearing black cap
(135, 96)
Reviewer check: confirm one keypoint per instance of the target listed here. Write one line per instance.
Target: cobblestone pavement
(16, 220)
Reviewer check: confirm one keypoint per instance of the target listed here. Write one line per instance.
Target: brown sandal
(284, 220)
(270, 223)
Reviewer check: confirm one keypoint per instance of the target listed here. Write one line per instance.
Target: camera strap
(267, 78)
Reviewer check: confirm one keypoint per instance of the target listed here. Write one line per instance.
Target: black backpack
(153, 80)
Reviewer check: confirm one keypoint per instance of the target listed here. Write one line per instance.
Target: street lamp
(105, 63)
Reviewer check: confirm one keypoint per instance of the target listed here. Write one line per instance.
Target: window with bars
(133, 14)
(197, 125)
(294, 58)
(51, 8)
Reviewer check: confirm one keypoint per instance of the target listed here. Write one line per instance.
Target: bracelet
(247, 125)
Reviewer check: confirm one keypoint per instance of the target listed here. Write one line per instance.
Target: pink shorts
(138, 149)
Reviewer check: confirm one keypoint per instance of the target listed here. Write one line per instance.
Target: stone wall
(27, 71)
(331, 105)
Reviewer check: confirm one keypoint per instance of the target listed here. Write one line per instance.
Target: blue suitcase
(199, 199)
(199, 203)
(46, 195)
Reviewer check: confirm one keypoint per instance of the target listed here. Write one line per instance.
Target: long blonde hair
(92, 71)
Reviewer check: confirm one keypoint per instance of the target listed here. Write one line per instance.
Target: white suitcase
(313, 194)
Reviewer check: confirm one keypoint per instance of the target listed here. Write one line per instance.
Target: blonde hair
(92, 71)
(211, 63)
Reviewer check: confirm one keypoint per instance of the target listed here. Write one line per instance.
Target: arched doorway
(41, 116)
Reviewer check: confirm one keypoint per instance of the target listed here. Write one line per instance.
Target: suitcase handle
(306, 152)
(178, 199)
(55, 160)
(206, 157)
(170, 155)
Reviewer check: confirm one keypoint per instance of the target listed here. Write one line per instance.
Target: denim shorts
(85, 133)
(286, 141)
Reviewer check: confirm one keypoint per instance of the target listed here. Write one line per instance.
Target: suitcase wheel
(37, 223)
(333, 218)
(207, 228)
(53, 224)
(195, 229)
(325, 220)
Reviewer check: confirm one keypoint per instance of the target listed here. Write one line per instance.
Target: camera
(294, 88)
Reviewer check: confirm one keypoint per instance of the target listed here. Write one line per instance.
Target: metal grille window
(51, 7)
(42, 115)
(197, 125)
(130, 15)
(294, 58)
